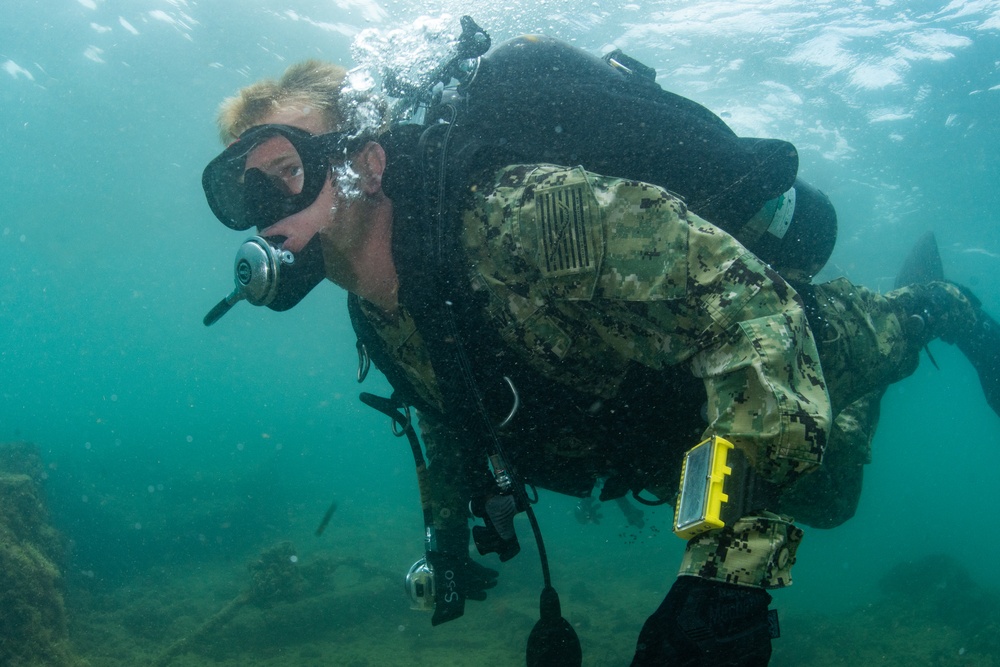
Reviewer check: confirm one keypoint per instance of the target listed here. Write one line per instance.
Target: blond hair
(314, 84)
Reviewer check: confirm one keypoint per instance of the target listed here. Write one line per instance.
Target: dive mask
(271, 172)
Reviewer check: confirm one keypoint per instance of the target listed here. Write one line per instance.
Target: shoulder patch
(562, 215)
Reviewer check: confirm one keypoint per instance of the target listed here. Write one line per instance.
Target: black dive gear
(552, 642)
(446, 576)
(981, 346)
(980, 343)
(457, 577)
(498, 535)
(288, 167)
(800, 249)
(431, 299)
(267, 275)
(535, 99)
(708, 623)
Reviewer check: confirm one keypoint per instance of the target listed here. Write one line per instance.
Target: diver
(553, 326)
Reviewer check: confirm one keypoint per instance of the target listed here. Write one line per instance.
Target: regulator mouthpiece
(257, 272)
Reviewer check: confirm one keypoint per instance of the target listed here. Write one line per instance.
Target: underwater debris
(326, 518)
(275, 576)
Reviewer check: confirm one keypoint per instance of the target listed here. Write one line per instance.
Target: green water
(175, 454)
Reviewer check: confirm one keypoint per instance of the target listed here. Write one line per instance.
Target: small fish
(326, 518)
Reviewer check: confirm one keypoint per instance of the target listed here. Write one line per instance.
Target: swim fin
(981, 346)
(980, 343)
(923, 264)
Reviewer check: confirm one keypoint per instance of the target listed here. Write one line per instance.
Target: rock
(32, 613)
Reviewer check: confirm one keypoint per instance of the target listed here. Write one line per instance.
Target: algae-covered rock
(22, 458)
(275, 576)
(32, 614)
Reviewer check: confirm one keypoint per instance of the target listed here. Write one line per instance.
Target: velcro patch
(567, 229)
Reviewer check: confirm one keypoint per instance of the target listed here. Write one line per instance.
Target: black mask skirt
(269, 173)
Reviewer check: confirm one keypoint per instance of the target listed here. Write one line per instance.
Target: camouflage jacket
(585, 277)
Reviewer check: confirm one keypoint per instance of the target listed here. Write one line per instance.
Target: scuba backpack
(535, 99)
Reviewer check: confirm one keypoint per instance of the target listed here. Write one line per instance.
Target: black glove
(456, 578)
(704, 623)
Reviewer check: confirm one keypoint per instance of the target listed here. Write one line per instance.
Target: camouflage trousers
(828, 496)
(866, 342)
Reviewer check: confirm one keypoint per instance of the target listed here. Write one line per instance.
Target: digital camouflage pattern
(755, 551)
(587, 274)
(828, 496)
(870, 340)
(867, 341)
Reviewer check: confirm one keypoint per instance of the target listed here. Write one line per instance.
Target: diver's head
(289, 170)
(284, 138)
